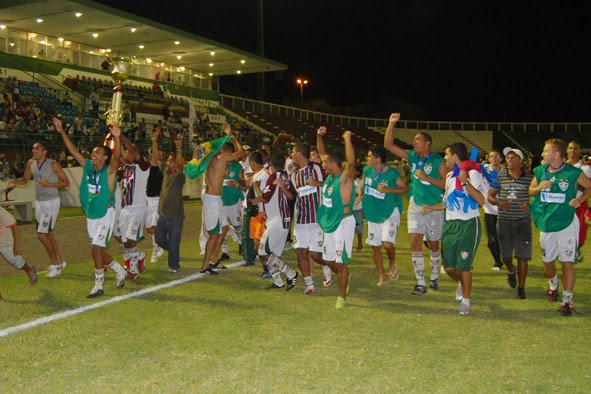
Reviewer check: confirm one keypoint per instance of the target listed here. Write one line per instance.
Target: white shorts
(100, 230)
(46, 213)
(273, 240)
(152, 211)
(338, 245)
(130, 223)
(431, 224)
(561, 244)
(17, 262)
(232, 215)
(308, 236)
(378, 233)
(213, 209)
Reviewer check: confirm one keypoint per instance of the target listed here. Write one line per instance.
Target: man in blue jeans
(171, 207)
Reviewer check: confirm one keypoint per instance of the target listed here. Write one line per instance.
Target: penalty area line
(86, 308)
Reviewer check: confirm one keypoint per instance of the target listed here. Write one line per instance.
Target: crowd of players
(262, 198)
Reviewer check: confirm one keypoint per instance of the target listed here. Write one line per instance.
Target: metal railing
(262, 107)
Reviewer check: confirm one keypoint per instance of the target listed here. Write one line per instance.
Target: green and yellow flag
(203, 153)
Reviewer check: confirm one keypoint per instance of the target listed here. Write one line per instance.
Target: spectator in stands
(95, 100)
(18, 166)
(6, 104)
(67, 100)
(41, 54)
(105, 64)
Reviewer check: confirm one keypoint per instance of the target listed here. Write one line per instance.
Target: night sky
(440, 60)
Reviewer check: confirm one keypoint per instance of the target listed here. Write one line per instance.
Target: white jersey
(133, 184)
(458, 203)
(277, 208)
(262, 176)
(357, 184)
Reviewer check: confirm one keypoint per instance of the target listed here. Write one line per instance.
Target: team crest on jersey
(329, 191)
(464, 254)
(428, 168)
(339, 253)
(433, 233)
(45, 224)
(391, 233)
(569, 253)
(563, 184)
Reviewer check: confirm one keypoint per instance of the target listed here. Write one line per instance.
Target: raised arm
(389, 137)
(68, 142)
(349, 155)
(156, 152)
(180, 160)
(130, 147)
(238, 149)
(114, 164)
(320, 141)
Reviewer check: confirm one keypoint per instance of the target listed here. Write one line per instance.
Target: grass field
(228, 334)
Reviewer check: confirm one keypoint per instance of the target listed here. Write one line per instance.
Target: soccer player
(307, 234)
(381, 199)
(153, 189)
(464, 195)
(335, 215)
(491, 212)
(427, 181)
(129, 230)
(514, 222)
(97, 190)
(232, 196)
(573, 152)
(278, 220)
(212, 198)
(48, 176)
(553, 208)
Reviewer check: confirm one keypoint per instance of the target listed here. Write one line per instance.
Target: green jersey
(95, 196)
(424, 193)
(231, 195)
(331, 212)
(377, 206)
(549, 208)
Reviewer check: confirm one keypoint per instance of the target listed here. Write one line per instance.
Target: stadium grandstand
(57, 66)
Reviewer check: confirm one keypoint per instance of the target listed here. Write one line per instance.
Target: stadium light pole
(302, 82)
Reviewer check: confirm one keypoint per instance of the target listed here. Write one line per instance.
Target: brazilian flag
(203, 153)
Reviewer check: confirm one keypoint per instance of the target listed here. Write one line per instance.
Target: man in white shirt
(573, 153)
(464, 195)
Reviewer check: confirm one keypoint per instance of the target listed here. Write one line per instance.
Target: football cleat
(464, 309)
(552, 295)
(132, 275)
(292, 282)
(208, 271)
(434, 284)
(96, 291)
(310, 291)
(141, 261)
(512, 279)
(274, 286)
(419, 290)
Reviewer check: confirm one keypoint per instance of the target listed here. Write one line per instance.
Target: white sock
(225, 246)
(116, 267)
(327, 272)
(435, 263)
(553, 283)
(290, 273)
(277, 279)
(308, 281)
(418, 262)
(99, 277)
(567, 297)
(466, 301)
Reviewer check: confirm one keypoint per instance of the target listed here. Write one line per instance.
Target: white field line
(76, 311)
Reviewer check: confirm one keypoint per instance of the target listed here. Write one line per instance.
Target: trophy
(120, 68)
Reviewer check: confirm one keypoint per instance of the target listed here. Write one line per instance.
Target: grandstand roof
(114, 29)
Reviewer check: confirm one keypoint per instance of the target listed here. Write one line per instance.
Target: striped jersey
(277, 208)
(133, 178)
(308, 197)
(516, 190)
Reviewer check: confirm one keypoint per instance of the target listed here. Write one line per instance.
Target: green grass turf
(228, 334)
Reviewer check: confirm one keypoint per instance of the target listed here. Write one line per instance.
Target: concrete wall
(71, 197)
